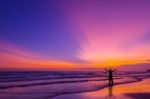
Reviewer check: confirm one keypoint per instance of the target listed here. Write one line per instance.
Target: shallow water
(135, 90)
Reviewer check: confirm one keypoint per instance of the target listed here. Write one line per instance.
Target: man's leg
(112, 82)
(109, 82)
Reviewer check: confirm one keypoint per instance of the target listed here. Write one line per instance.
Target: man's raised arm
(106, 69)
(114, 70)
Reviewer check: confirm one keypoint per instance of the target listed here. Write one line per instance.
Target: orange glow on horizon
(12, 57)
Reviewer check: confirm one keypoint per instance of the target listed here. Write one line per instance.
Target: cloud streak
(13, 57)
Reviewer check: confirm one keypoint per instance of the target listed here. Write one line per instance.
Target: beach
(67, 85)
(135, 90)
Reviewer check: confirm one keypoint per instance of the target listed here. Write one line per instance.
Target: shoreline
(49, 89)
(103, 90)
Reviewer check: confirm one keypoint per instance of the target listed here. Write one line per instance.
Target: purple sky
(77, 32)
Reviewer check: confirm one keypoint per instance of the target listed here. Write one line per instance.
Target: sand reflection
(124, 91)
(110, 91)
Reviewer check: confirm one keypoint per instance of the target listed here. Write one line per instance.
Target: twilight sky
(72, 34)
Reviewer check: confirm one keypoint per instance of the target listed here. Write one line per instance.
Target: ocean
(48, 84)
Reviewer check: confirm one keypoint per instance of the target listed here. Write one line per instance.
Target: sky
(73, 34)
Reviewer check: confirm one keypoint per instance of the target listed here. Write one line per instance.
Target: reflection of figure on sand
(110, 71)
(110, 93)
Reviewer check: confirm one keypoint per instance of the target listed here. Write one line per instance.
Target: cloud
(13, 57)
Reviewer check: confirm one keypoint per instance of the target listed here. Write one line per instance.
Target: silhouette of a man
(110, 71)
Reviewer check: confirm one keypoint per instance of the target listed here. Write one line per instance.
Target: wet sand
(136, 90)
